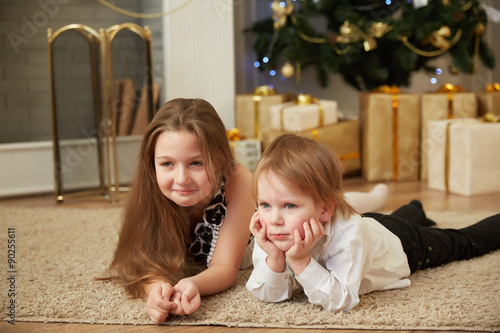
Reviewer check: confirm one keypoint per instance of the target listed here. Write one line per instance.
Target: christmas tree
(371, 42)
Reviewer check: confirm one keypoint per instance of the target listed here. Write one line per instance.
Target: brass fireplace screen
(102, 93)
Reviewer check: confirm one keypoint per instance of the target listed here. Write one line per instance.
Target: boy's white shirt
(354, 257)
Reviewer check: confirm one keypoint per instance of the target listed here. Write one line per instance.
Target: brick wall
(25, 107)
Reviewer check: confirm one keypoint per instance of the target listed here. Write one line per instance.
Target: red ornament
(332, 38)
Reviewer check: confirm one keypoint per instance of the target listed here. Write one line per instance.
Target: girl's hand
(186, 296)
(158, 304)
(298, 255)
(276, 259)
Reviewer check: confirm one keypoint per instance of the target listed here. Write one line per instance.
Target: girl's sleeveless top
(207, 232)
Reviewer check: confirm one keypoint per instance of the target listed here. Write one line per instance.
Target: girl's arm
(233, 236)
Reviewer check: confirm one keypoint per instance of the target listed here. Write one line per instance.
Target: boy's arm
(266, 284)
(322, 287)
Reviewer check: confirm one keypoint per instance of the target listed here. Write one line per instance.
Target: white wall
(199, 54)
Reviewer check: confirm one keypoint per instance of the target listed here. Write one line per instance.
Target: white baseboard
(27, 168)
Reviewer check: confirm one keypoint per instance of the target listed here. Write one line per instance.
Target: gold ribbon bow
(350, 33)
(393, 90)
(438, 38)
(233, 134)
(450, 89)
(265, 90)
(490, 117)
(492, 87)
(280, 13)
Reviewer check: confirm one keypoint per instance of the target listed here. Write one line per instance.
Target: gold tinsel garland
(143, 15)
(351, 34)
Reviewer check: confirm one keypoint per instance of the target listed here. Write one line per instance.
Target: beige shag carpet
(60, 250)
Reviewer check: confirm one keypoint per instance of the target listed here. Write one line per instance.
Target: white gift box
(464, 156)
(247, 152)
(295, 117)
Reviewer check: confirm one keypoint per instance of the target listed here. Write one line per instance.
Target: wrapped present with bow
(489, 100)
(246, 152)
(449, 102)
(390, 129)
(253, 110)
(305, 113)
(464, 157)
(342, 138)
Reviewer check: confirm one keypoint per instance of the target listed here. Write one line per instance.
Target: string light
(256, 64)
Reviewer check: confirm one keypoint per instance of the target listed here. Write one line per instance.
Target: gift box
(464, 157)
(489, 100)
(304, 114)
(450, 103)
(390, 130)
(253, 110)
(342, 138)
(247, 152)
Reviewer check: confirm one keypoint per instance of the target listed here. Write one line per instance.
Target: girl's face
(180, 172)
(283, 209)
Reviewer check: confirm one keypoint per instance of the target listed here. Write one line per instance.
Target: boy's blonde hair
(307, 166)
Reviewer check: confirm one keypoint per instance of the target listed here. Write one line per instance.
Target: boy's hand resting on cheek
(298, 255)
(276, 257)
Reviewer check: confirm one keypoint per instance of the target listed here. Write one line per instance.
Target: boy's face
(284, 209)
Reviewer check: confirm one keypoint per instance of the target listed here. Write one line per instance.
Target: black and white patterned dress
(207, 232)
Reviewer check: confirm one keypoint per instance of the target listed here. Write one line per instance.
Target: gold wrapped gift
(450, 103)
(342, 138)
(489, 100)
(464, 157)
(253, 110)
(390, 126)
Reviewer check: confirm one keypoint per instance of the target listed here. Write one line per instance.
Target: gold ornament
(479, 30)
(287, 70)
(280, 13)
(438, 38)
(350, 33)
(379, 29)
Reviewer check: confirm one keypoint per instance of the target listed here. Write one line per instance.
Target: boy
(305, 229)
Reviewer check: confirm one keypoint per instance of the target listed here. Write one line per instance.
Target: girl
(189, 208)
(305, 228)
(190, 203)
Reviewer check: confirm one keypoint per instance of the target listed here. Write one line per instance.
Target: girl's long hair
(308, 166)
(155, 231)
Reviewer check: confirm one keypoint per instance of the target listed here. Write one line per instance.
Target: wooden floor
(401, 193)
